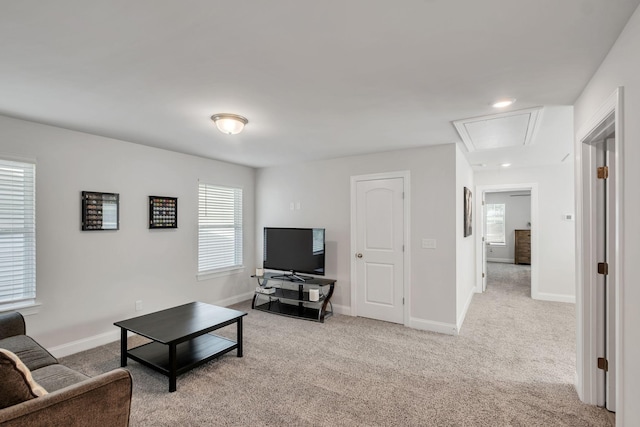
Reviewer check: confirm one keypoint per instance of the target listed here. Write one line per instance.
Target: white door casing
(606, 121)
(379, 243)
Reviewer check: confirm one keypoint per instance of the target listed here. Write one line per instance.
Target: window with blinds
(219, 228)
(17, 232)
(496, 224)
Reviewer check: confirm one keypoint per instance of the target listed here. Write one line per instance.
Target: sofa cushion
(55, 377)
(32, 354)
(17, 384)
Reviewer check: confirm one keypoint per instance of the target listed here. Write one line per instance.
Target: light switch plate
(429, 243)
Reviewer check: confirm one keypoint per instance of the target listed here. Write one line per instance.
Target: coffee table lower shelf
(189, 354)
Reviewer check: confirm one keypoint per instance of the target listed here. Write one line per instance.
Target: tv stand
(290, 297)
(292, 277)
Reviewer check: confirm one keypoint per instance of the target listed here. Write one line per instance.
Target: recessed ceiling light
(505, 165)
(501, 103)
(480, 165)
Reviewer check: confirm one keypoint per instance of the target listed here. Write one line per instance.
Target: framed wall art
(468, 218)
(100, 211)
(163, 212)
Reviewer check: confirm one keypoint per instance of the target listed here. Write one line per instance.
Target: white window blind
(17, 231)
(496, 223)
(219, 228)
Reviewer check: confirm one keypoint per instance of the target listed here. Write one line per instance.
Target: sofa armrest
(104, 400)
(11, 324)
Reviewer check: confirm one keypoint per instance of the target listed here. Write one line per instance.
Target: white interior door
(605, 282)
(380, 249)
(610, 296)
(600, 279)
(484, 243)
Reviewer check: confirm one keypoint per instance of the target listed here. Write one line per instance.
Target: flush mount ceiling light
(501, 103)
(505, 165)
(230, 124)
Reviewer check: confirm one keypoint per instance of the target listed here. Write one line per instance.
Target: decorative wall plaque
(100, 211)
(163, 212)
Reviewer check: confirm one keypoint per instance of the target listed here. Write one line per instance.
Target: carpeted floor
(512, 365)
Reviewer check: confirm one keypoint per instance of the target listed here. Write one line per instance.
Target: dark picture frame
(163, 212)
(100, 211)
(468, 213)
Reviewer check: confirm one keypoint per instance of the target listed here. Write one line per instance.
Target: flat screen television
(294, 250)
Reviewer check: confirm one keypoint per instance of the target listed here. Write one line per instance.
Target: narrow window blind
(219, 228)
(496, 223)
(17, 231)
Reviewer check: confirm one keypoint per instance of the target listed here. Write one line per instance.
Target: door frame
(481, 190)
(405, 175)
(606, 120)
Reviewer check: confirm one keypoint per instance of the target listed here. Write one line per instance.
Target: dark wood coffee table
(181, 339)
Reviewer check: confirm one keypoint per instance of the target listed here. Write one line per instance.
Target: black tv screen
(297, 250)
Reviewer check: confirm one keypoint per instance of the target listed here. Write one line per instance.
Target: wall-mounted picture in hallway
(467, 212)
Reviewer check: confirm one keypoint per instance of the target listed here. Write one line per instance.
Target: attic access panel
(510, 129)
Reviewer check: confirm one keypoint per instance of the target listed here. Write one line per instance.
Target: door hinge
(483, 275)
(402, 301)
(483, 203)
(603, 172)
(603, 364)
(603, 268)
(402, 248)
(483, 238)
(403, 194)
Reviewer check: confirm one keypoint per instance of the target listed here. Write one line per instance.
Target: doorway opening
(488, 246)
(507, 232)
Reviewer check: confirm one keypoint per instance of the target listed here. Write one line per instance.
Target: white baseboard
(429, 325)
(502, 260)
(85, 343)
(463, 314)
(554, 297)
(425, 325)
(576, 384)
(88, 343)
(342, 309)
(234, 300)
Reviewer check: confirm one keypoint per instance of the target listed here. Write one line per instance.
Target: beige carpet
(512, 365)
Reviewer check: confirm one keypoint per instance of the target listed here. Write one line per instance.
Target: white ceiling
(316, 79)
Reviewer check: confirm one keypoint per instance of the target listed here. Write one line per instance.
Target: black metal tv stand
(292, 277)
(288, 296)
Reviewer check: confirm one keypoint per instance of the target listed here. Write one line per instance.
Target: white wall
(517, 216)
(88, 280)
(465, 246)
(323, 190)
(622, 68)
(556, 236)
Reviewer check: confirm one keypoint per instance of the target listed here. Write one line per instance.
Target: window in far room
(219, 228)
(496, 224)
(17, 234)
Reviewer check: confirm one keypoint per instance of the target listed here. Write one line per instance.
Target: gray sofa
(72, 398)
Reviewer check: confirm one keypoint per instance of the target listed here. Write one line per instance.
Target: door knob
(359, 255)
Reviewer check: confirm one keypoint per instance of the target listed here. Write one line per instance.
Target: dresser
(522, 247)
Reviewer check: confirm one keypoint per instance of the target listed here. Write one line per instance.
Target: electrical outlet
(139, 305)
